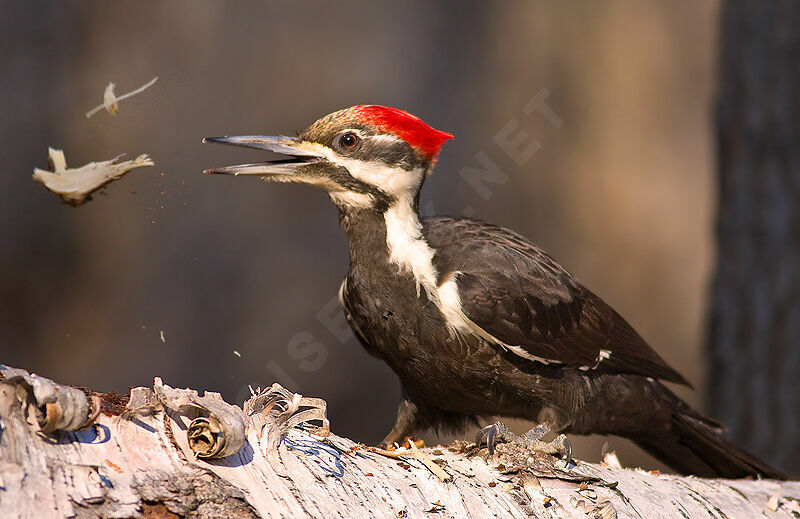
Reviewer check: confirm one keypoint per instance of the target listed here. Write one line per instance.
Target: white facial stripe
(397, 182)
(314, 148)
(394, 181)
(349, 198)
(338, 195)
(292, 178)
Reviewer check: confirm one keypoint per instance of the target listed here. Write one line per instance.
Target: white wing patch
(450, 305)
(409, 250)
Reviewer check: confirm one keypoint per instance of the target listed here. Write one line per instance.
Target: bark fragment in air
(111, 101)
(74, 185)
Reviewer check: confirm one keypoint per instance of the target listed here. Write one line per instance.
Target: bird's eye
(348, 140)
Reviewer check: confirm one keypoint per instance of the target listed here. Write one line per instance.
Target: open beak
(288, 146)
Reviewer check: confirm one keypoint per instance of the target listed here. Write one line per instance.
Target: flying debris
(111, 101)
(74, 185)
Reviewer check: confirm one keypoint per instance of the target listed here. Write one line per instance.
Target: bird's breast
(389, 313)
(410, 333)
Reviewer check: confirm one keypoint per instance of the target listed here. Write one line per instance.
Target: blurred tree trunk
(754, 335)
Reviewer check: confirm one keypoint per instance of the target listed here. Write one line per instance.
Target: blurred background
(621, 193)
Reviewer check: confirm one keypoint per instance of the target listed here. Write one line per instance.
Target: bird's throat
(393, 236)
(385, 246)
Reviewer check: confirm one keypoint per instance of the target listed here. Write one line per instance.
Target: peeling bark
(142, 461)
(75, 185)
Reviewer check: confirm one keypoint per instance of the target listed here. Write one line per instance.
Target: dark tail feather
(695, 445)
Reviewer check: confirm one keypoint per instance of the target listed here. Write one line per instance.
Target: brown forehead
(325, 129)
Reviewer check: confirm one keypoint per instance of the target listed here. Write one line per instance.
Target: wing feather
(522, 298)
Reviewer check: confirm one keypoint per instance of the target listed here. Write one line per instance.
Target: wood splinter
(74, 185)
(111, 101)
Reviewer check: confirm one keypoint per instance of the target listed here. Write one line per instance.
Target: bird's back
(520, 296)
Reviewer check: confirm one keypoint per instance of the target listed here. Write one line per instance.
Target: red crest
(403, 125)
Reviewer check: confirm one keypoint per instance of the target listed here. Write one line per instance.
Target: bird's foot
(406, 443)
(531, 440)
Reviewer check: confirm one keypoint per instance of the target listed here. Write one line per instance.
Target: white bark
(139, 461)
(75, 185)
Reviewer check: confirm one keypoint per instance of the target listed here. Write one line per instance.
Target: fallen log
(161, 452)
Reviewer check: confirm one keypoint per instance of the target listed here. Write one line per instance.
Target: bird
(474, 319)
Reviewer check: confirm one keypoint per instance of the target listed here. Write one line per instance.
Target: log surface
(137, 461)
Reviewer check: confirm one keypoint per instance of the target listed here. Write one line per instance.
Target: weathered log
(164, 453)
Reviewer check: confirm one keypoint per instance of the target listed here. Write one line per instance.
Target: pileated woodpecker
(474, 319)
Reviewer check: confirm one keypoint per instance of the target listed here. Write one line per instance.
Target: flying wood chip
(74, 185)
(111, 101)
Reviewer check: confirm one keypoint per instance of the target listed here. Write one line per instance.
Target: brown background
(621, 194)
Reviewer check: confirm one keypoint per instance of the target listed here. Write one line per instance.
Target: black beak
(291, 147)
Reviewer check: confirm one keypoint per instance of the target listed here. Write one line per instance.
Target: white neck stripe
(409, 250)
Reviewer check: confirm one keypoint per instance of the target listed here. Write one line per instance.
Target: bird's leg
(531, 440)
(406, 423)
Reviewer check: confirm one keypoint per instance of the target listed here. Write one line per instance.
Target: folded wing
(524, 301)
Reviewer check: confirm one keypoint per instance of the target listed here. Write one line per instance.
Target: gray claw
(567, 450)
(532, 440)
(489, 433)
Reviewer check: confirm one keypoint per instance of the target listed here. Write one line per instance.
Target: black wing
(520, 296)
